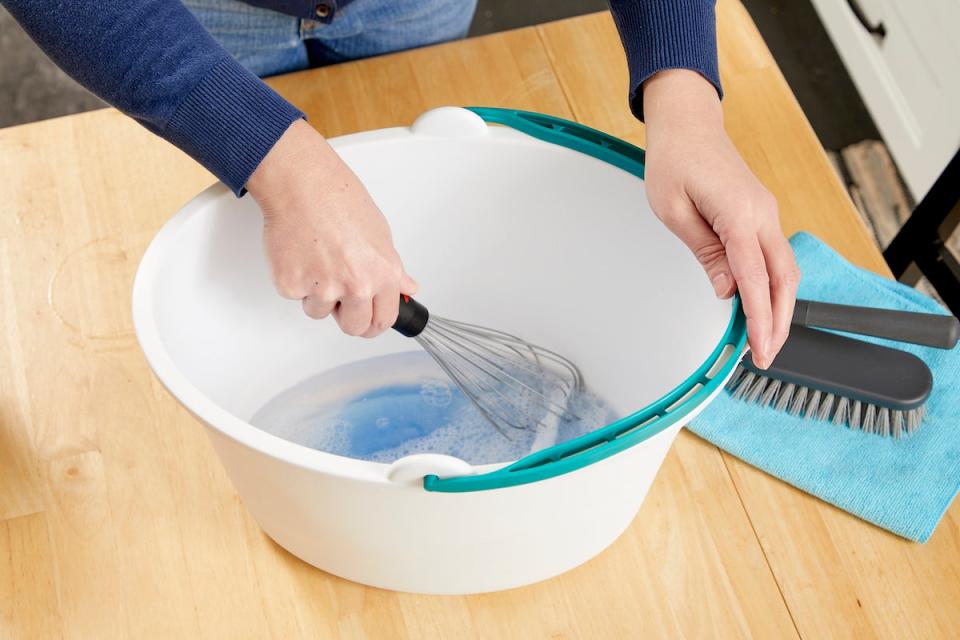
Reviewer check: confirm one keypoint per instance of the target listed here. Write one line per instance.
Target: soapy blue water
(385, 408)
(387, 417)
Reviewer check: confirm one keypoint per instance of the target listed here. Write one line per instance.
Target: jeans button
(323, 10)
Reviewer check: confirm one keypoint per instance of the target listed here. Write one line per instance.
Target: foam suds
(385, 408)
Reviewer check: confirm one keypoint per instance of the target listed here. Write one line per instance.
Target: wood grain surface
(116, 519)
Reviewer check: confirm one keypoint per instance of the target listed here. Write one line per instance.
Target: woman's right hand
(326, 241)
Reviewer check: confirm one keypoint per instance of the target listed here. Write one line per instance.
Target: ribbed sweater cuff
(229, 122)
(666, 34)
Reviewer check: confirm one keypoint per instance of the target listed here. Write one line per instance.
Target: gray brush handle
(928, 329)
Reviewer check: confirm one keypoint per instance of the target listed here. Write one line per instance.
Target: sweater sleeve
(666, 34)
(153, 60)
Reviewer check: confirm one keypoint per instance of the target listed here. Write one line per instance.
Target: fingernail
(721, 282)
(765, 350)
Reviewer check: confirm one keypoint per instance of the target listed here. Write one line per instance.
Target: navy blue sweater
(152, 60)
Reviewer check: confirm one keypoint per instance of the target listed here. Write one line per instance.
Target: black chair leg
(919, 247)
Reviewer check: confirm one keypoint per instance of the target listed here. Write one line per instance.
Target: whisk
(513, 383)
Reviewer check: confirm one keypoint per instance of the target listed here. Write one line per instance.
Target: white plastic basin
(500, 229)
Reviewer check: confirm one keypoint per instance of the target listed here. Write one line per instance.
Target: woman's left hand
(703, 191)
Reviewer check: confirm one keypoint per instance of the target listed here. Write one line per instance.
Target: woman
(188, 72)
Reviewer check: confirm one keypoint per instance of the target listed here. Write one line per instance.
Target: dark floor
(32, 88)
(812, 67)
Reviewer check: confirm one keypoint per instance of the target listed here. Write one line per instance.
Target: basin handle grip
(573, 135)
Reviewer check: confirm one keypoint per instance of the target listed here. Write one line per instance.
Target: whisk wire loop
(486, 361)
(515, 384)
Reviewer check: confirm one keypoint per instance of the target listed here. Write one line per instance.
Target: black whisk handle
(927, 329)
(413, 317)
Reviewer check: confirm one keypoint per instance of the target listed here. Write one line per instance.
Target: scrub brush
(825, 376)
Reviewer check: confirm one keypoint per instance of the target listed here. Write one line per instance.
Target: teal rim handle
(624, 433)
(572, 135)
(617, 436)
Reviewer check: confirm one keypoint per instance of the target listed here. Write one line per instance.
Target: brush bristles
(799, 401)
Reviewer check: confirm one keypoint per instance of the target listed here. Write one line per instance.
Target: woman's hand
(326, 241)
(702, 190)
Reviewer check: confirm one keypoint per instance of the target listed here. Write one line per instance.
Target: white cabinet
(909, 76)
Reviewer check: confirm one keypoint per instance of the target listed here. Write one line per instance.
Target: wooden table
(116, 519)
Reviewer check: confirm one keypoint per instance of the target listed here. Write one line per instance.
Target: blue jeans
(268, 42)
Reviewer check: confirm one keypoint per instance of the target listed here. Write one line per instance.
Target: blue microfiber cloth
(902, 485)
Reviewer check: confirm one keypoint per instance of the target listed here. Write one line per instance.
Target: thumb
(703, 242)
(408, 285)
